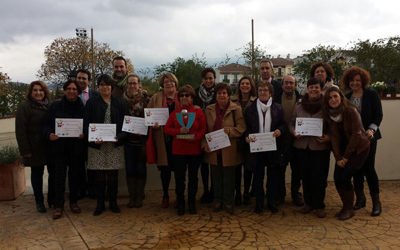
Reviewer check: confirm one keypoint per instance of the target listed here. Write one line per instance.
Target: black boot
(348, 200)
(181, 206)
(99, 208)
(360, 199)
(341, 195)
(40, 207)
(192, 206)
(114, 207)
(131, 183)
(376, 205)
(140, 184)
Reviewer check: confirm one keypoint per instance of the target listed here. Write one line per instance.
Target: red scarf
(219, 116)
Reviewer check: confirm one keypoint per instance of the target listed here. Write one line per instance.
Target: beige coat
(230, 155)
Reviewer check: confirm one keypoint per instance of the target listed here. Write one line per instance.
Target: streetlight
(82, 33)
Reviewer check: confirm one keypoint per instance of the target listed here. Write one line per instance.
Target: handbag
(150, 149)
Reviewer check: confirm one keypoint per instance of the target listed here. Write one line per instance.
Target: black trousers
(37, 183)
(166, 171)
(368, 170)
(314, 165)
(247, 177)
(106, 179)
(181, 164)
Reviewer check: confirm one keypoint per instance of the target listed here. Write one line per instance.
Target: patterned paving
(152, 227)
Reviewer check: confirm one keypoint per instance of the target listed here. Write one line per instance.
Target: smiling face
(356, 83)
(104, 89)
(314, 91)
(320, 73)
(222, 97)
(120, 68)
(208, 80)
(71, 92)
(245, 86)
(37, 93)
(133, 85)
(263, 93)
(334, 99)
(169, 85)
(82, 79)
(289, 84)
(185, 99)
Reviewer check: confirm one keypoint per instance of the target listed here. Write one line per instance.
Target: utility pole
(253, 60)
(92, 52)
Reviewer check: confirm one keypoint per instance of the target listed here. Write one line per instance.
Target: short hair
(187, 89)
(266, 60)
(42, 85)
(119, 58)
(295, 81)
(207, 70)
(134, 75)
(268, 85)
(221, 86)
(69, 82)
(85, 72)
(252, 85)
(351, 72)
(170, 76)
(330, 75)
(106, 79)
(313, 81)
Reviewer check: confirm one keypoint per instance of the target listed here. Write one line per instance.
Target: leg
(165, 175)
(37, 185)
(141, 175)
(112, 186)
(129, 154)
(217, 179)
(180, 163)
(258, 181)
(344, 187)
(228, 187)
(238, 185)
(273, 175)
(247, 176)
(320, 169)
(295, 183)
(60, 177)
(100, 188)
(193, 167)
(51, 184)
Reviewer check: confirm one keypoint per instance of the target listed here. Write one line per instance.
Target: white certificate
(262, 142)
(68, 127)
(134, 125)
(102, 132)
(217, 139)
(309, 126)
(153, 115)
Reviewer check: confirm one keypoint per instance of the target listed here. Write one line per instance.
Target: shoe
(181, 207)
(206, 198)
(305, 209)
(348, 199)
(229, 209)
(139, 202)
(131, 203)
(217, 207)
(320, 213)
(298, 199)
(165, 202)
(57, 213)
(246, 199)
(258, 210)
(238, 199)
(376, 205)
(273, 208)
(360, 199)
(99, 209)
(41, 208)
(114, 207)
(75, 208)
(192, 207)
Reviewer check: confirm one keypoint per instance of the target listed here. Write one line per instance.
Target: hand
(29, 155)
(276, 133)
(53, 137)
(184, 130)
(98, 142)
(207, 149)
(81, 136)
(116, 139)
(370, 133)
(156, 125)
(227, 130)
(247, 139)
(324, 138)
(297, 135)
(341, 163)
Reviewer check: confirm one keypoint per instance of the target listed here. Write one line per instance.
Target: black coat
(371, 110)
(95, 111)
(277, 122)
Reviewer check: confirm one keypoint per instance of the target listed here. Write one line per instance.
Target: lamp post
(82, 33)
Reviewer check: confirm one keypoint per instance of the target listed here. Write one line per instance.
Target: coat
(352, 139)
(29, 130)
(230, 155)
(95, 110)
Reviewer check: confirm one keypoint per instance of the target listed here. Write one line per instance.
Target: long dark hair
(344, 103)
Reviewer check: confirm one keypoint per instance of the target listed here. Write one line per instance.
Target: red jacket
(186, 146)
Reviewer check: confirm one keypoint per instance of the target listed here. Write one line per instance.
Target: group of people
(350, 130)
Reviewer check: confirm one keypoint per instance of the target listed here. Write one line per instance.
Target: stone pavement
(21, 227)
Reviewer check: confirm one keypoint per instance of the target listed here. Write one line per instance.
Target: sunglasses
(185, 95)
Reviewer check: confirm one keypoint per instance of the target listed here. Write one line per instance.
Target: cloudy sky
(151, 32)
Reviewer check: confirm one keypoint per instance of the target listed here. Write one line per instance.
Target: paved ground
(152, 227)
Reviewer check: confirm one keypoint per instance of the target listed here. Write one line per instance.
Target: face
(265, 70)
(289, 84)
(222, 97)
(208, 80)
(320, 73)
(119, 68)
(263, 93)
(314, 91)
(168, 84)
(104, 89)
(82, 79)
(334, 99)
(71, 92)
(133, 84)
(37, 93)
(245, 86)
(185, 99)
(356, 83)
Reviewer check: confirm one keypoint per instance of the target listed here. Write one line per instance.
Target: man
(288, 98)
(120, 76)
(87, 184)
(265, 70)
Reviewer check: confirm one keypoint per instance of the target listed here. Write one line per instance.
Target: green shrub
(9, 155)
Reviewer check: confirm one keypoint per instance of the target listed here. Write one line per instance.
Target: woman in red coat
(187, 125)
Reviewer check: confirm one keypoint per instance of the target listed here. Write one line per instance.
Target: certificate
(134, 125)
(67, 127)
(217, 139)
(153, 115)
(102, 132)
(309, 126)
(262, 142)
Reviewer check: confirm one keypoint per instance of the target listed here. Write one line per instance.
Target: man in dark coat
(120, 76)
(266, 69)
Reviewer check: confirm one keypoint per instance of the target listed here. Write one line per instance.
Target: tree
(66, 55)
(11, 94)
(247, 55)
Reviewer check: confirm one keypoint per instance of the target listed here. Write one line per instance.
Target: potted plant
(12, 174)
(379, 87)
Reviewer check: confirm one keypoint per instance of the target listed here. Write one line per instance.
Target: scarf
(264, 115)
(120, 83)
(219, 116)
(206, 95)
(175, 100)
(335, 115)
(136, 103)
(311, 106)
(40, 104)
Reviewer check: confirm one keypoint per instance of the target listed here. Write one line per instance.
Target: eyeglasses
(185, 95)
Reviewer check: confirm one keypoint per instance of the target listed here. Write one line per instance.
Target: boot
(341, 195)
(140, 184)
(348, 200)
(360, 199)
(99, 208)
(114, 207)
(131, 183)
(181, 206)
(376, 205)
(192, 206)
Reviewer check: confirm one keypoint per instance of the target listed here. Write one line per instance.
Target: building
(282, 67)
(231, 73)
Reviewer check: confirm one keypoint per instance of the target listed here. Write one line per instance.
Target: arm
(169, 127)
(240, 128)
(21, 125)
(377, 113)
(199, 134)
(356, 132)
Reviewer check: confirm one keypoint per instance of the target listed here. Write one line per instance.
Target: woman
(264, 116)
(245, 96)
(105, 158)
(228, 116)
(367, 101)
(135, 150)
(312, 153)
(166, 98)
(205, 95)
(29, 125)
(325, 73)
(350, 145)
(187, 125)
(68, 152)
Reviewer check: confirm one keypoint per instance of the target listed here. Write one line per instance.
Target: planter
(12, 181)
